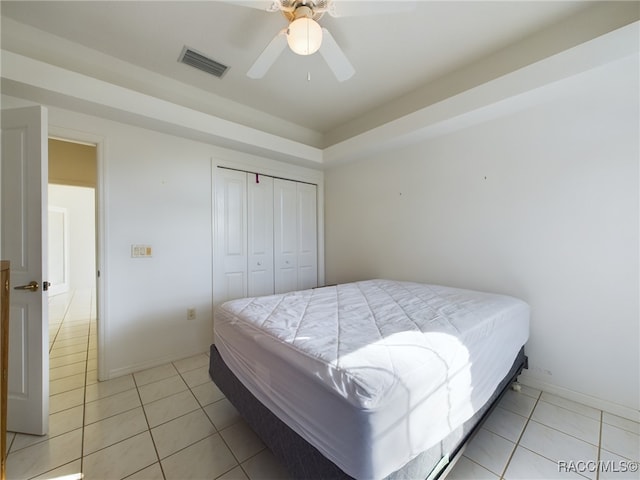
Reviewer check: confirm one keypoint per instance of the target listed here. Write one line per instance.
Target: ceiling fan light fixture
(304, 36)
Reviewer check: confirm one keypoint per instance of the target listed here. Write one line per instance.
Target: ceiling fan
(305, 36)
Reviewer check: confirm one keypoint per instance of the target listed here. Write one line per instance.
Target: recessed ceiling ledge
(512, 92)
(151, 111)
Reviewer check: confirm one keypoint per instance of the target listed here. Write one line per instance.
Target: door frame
(69, 135)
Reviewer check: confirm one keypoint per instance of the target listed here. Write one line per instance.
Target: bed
(368, 380)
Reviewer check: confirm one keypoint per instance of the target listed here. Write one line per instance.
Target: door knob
(31, 286)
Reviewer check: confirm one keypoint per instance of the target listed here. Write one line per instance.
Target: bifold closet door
(295, 237)
(230, 235)
(307, 236)
(260, 235)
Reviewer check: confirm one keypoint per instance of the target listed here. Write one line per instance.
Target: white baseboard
(595, 402)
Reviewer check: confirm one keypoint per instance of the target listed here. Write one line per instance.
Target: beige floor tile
(92, 377)
(114, 429)
(571, 405)
(623, 423)
(615, 467)
(222, 413)
(506, 424)
(234, 474)
(110, 387)
(526, 465)
(208, 458)
(71, 349)
(66, 333)
(122, 459)
(154, 374)
(63, 401)
(67, 360)
(44, 456)
(153, 472)
(518, 402)
(92, 364)
(112, 405)
(466, 469)
(556, 445)
(66, 384)
(242, 441)
(65, 421)
(490, 450)
(567, 421)
(161, 389)
(67, 370)
(168, 408)
(192, 363)
(70, 341)
(22, 440)
(621, 442)
(196, 377)
(181, 432)
(264, 466)
(207, 393)
(70, 471)
(10, 437)
(530, 391)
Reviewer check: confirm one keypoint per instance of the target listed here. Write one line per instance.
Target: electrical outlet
(191, 313)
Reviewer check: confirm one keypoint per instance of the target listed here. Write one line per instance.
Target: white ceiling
(393, 54)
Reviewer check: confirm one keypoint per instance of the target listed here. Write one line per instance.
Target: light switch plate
(139, 251)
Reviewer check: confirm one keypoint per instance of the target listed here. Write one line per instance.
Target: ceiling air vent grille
(201, 62)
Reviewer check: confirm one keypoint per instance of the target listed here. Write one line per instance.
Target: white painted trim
(595, 402)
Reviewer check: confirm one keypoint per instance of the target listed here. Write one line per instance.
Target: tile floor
(171, 422)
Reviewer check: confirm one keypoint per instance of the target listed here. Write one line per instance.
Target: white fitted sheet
(372, 373)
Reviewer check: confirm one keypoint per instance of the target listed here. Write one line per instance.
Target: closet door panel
(230, 235)
(307, 236)
(260, 235)
(285, 236)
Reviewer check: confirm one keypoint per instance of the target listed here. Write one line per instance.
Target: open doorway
(72, 260)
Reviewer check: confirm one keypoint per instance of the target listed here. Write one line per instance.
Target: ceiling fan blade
(346, 8)
(268, 56)
(335, 57)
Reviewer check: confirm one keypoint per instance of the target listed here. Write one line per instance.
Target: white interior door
(24, 220)
(230, 235)
(260, 230)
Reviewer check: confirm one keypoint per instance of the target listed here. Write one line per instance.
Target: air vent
(201, 62)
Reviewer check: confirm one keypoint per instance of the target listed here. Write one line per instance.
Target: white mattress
(372, 373)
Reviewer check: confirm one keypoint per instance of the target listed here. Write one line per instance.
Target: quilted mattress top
(364, 340)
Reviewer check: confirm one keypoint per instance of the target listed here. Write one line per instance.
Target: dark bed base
(304, 461)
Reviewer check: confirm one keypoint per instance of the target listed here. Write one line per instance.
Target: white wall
(541, 204)
(80, 205)
(156, 190)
